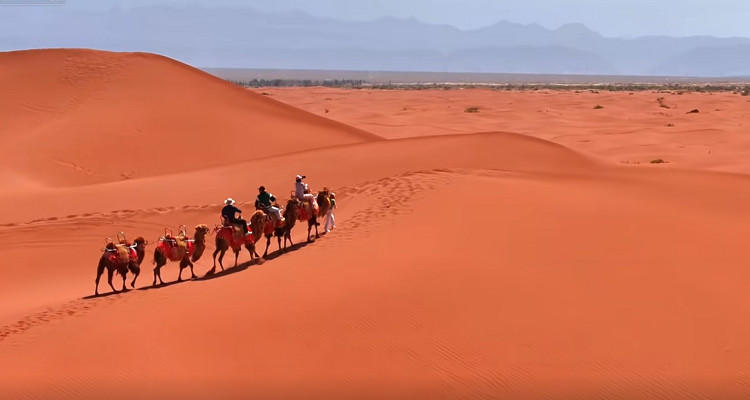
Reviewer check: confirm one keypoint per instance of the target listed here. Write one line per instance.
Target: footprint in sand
(76, 307)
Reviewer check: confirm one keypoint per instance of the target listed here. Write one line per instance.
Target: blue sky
(614, 18)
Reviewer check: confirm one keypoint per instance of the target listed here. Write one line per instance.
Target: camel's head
(140, 242)
(202, 230)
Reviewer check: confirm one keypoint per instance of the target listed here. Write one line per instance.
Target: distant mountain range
(240, 37)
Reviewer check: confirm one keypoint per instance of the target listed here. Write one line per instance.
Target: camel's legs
(217, 251)
(157, 272)
(221, 256)
(111, 271)
(183, 265)
(192, 273)
(136, 270)
(268, 243)
(288, 235)
(99, 272)
(123, 271)
(251, 249)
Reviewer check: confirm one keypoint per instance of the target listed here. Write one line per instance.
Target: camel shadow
(247, 264)
(100, 295)
(227, 271)
(163, 285)
(276, 254)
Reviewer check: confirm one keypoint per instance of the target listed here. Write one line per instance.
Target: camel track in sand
(387, 198)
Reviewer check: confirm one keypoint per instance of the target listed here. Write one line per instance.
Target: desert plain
(549, 244)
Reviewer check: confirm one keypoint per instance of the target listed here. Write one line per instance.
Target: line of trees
(742, 89)
(255, 83)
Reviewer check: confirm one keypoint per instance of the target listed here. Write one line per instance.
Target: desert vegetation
(666, 88)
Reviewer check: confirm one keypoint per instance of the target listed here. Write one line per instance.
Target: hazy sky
(618, 18)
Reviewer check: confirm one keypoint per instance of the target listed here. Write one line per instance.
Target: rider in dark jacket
(229, 212)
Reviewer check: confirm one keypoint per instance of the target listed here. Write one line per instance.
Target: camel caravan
(269, 220)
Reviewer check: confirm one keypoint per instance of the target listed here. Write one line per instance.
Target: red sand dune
(466, 265)
(79, 117)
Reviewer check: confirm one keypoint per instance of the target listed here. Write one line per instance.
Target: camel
(309, 214)
(290, 219)
(324, 201)
(263, 224)
(232, 236)
(180, 248)
(122, 258)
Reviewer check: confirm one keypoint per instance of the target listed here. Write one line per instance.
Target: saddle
(305, 211)
(278, 223)
(122, 252)
(176, 247)
(236, 228)
(232, 233)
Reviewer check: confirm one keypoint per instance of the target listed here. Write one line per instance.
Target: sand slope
(75, 117)
(464, 265)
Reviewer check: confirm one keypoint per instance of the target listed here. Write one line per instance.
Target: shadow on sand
(101, 295)
(227, 271)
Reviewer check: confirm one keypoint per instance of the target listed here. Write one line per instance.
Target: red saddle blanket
(233, 235)
(268, 228)
(175, 248)
(122, 254)
(305, 212)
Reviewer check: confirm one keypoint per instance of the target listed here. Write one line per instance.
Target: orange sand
(525, 261)
(631, 128)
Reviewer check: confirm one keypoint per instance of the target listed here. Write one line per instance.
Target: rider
(300, 190)
(229, 212)
(264, 201)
